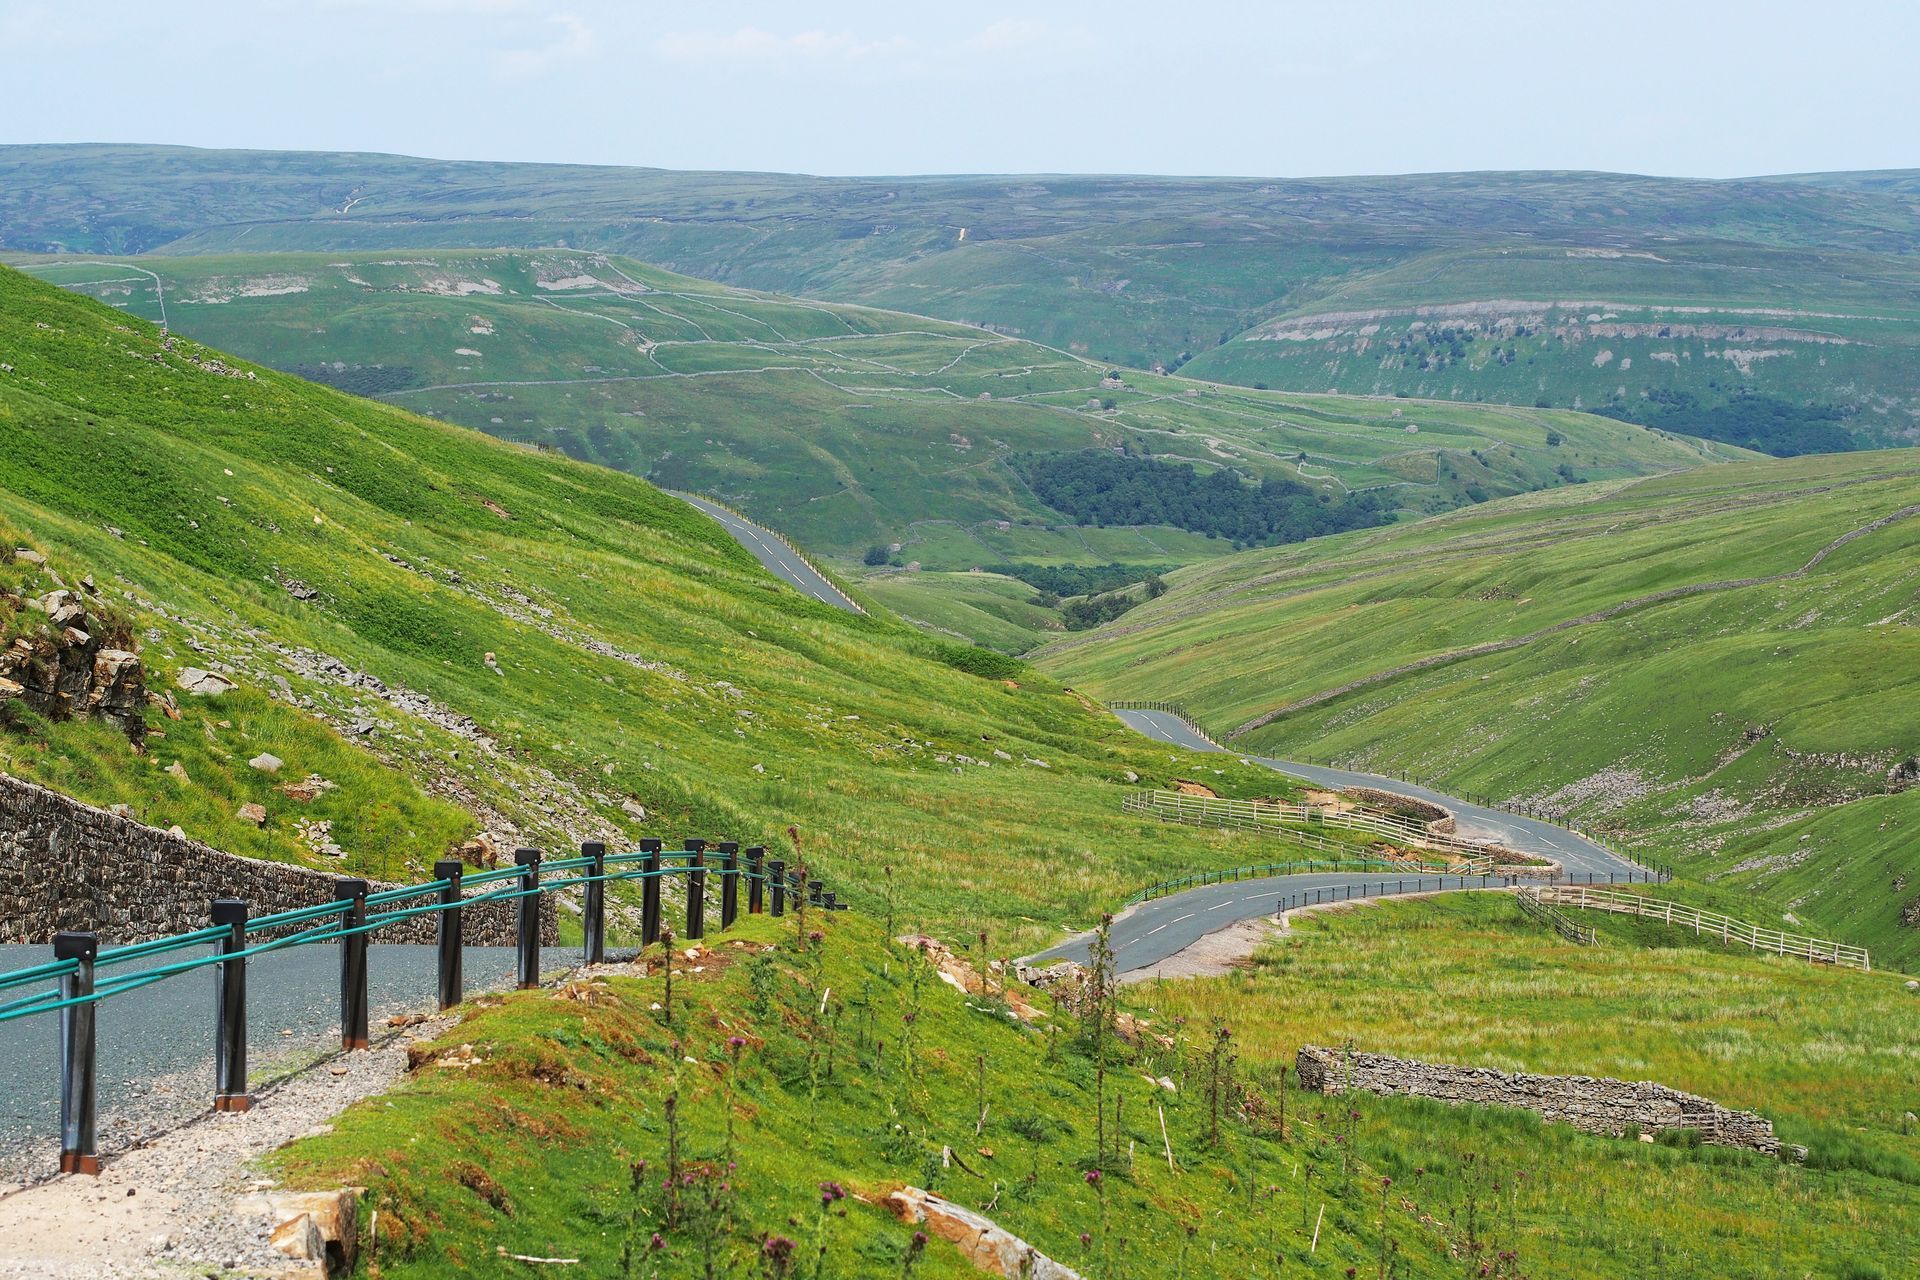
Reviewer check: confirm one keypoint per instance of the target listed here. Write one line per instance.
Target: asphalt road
(1578, 855)
(774, 554)
(1154, 930)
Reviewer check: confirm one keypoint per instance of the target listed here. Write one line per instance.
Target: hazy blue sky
(1696, 87)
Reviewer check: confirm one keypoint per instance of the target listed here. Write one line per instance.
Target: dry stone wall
(68, 865)
(1615, 1108)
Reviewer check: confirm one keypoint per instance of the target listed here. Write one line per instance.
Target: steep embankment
(1718, 668)
(470, 637)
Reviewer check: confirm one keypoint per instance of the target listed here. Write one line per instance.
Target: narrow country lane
(770, 551)
(1152, 931)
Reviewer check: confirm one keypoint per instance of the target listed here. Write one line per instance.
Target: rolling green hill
(468, 635)
(1719, 668)
(1799, 289)
(842, 426)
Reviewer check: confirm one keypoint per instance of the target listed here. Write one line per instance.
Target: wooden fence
(1703, 923)
(1286, 819)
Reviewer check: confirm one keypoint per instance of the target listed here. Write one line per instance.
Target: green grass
(1830, 1056)
(639, 656)
(532, 1150)
(1745, 735)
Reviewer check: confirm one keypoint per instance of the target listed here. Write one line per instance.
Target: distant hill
(845, 427)
(1720, 667)
(1557, 285)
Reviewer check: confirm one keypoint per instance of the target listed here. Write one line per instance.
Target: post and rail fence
(1274, 817)
(1703, 923)
(73, 983)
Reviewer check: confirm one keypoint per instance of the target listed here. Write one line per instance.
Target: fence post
(650, 893)
(815, 890)
(528, 860)
(593, 942)
(353, 964)
(777, 887)
(78, 1103)
(449, 938)
(696, 888)
(756, 879)
(230, 1024)
(729, 882)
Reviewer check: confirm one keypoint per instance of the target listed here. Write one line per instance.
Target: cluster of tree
(1766, 423)
(1099, 487)
(1078, 579)
(361, 379)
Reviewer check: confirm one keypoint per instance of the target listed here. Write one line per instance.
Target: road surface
(1578, 855)
(776, 555)
(1162, 927)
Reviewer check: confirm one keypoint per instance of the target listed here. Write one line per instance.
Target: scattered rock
(178, 770)
(27, 555)
(266, 763)
(308, 789)
(204, 684)
(983, 1242)
(254, 813)
(311, 1226)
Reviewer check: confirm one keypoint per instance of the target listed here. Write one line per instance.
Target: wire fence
(82, 976)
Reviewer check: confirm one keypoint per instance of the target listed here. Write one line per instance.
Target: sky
(1698, 88)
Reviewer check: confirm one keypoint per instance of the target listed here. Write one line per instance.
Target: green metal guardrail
(79, 987)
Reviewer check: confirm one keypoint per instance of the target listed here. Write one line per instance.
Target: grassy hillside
(465, 634)
(1827, 1055)
(1754, 734)
(1251, 278)
(846, 428)
(788, 1067)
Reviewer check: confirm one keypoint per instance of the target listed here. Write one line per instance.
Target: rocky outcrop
(69, 657)
(1616, 1108)
(987, 1245)
(68, 865)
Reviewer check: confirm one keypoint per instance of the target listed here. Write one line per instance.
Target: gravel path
(155, 1060)
(167, 1209)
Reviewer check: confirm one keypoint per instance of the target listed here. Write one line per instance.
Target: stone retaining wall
(68, 865)
(1435, 818)
(1616, 1108)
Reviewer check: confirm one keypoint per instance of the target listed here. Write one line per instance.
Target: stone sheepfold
(1615, 1108)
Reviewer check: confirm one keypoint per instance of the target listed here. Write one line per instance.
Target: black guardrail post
(353, 964)
(593, 943)
(815, 888)
(777, 887)
(696, 888)
(78, 1102)
(729, 882)
(449, 938)
(650, 893)
(756, 879)
(528, 860)
(230, 1023)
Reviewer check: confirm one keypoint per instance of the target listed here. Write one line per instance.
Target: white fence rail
(1703, 923)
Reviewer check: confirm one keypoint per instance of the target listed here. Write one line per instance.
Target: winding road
(1153, 931)
(776, 555)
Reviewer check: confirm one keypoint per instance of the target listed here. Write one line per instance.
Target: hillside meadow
(1594, 651)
